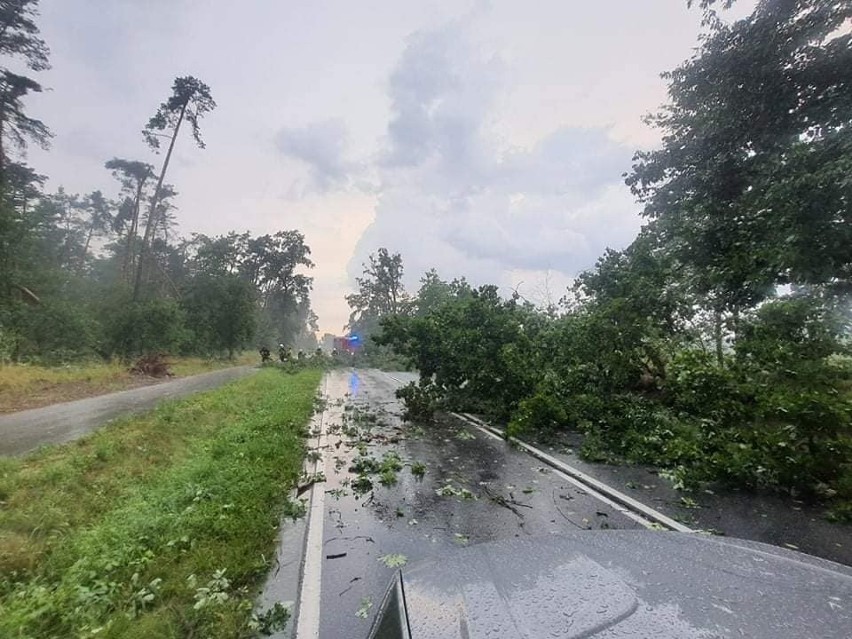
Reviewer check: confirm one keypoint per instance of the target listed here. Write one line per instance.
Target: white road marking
(308, 617)
(636, 510)
(585, 488)
(396, 379)
(632, 508)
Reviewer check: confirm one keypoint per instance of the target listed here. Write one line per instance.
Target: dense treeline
(104, 274)
(717, 343)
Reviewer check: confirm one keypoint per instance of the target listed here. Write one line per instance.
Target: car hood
(621, 583)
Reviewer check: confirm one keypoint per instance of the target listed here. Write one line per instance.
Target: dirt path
(25, 431)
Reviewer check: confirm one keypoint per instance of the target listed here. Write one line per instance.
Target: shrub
(53, 332)
(543, 412)
(421, 401)
(143, 327)
(8, 344)
(697, 386)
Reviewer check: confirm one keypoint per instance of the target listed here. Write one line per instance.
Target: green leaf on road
(394, 561)
(364, 609)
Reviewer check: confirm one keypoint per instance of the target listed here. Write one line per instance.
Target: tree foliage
(750, 188)
(220, 312)
(380, 292)
(19, 39)
(19, 34)
(273, 267)
(189, 102)
(16, 127)
(133, 176)
(73, 268)
(684, 350)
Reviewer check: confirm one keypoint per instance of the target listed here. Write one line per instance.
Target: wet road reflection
(398, 492)
(354, 383)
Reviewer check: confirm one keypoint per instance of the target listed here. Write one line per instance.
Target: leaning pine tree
(189, 102)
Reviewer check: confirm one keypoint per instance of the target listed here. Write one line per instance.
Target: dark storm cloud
(321, 146)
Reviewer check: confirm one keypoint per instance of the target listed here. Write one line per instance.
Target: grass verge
(186, 366)
(25, 386)
(158, 526)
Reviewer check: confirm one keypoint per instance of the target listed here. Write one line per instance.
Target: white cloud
(486, 147)
(454, 196)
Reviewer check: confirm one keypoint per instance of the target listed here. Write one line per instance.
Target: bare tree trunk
(134, 229)
(86, 246)
(2, 148)
(152, 211)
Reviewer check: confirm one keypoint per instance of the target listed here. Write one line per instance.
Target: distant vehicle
(347, 345)
(620, 583)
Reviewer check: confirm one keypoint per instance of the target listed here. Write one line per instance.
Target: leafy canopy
(190, 101)
(750, 188)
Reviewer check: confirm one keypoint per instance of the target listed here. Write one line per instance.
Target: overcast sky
(485, 139)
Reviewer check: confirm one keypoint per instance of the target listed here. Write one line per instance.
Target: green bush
(8, 344)
(774, 413)
(220, 314)
(841, 497)
(800, 438)
(544, 412)
(53, 332)
(133, 329)
(421, 401)
(696, 385)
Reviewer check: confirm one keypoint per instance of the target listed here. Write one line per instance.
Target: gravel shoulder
(27, 430)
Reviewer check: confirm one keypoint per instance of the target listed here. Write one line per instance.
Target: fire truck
(350, 344)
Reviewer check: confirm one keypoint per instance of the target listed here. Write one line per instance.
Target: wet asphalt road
(25, 431)
(489, 491)
(768, 518)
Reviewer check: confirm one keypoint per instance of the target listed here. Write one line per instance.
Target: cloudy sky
(485, 139)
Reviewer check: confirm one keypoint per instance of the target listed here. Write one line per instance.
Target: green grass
(185, 366)
(158, 526)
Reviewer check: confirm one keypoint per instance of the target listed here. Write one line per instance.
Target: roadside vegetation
(717, 345)
(104, 275)
(25, 386)
(158, 526)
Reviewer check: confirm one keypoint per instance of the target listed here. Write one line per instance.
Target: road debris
(394, 560)
(364, 610)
